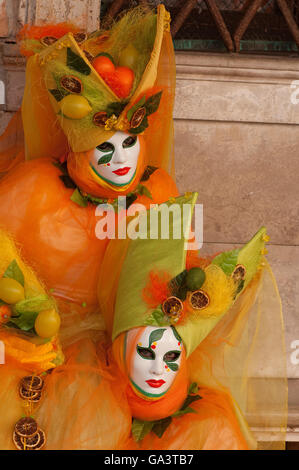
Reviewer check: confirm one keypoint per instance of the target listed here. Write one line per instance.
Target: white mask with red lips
(115, 160)
(155, 361)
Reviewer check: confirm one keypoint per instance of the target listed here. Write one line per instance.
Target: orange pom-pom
(157, 289)
(194, 261)
(38, 32)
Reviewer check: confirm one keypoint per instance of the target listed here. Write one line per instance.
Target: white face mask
(156, 359)
(115, 161)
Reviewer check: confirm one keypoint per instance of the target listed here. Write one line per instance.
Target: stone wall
(236, 138)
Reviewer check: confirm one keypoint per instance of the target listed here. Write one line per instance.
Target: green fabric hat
(224, 279)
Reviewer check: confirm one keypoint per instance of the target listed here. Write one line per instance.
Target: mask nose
(120, 155)
(157, 367)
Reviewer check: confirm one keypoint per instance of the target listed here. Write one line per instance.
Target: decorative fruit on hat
(120, 79)
(160, 291)
(31, 313)
(110, 71)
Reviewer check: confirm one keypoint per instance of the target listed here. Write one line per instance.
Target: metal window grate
(255, 26)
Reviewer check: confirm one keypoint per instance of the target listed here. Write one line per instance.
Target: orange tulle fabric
(58, 237)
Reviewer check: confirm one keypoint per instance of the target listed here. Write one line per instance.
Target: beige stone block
(231, 87)
(4, 31)
(5, 117)
(84, 13)
(246, 176)
(14, 89)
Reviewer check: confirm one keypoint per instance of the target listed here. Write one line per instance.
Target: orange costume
(85, 136)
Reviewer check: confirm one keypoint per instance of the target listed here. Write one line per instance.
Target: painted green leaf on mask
(13, 271)
(156, 335)
(76, 62)
(105, 159)
(173, 366)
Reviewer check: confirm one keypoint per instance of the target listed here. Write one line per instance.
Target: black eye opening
(146, 353)
(106, 147)
(129, 142)
(171, 356)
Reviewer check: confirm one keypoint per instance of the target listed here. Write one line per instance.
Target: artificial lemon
(128, 56)
(75, 107)
(47, 323)
(11, 291)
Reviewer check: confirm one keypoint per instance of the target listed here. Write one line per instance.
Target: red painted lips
(122, 171)
(155, 383)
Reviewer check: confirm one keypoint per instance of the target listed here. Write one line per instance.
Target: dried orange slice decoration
(239, 273)
(32, 382)
(89, 56)
(137, 117)
(26, 427)
(71, 84)
(172, 307)
(80, 37)
(99, 119)
(30, 395)
(31, 442)
(17, 441)
(48, 40)
(42, 440)
(199, 299)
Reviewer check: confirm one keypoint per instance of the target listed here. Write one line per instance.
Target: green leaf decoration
(179, 413)
(176, 335)
(25, 321)
(13, 271)
(157, 318)
(152, 104)
(173, 366)
(141, 127)
(193, 388)
(189, 400)
(156, 335)
(67, 181)
(160, 426)
(140, 429)
(134, 108)
(227, 261)
(105, 159)
(116, 108)
(144, 191)
(78, 198)
(240, 287)
(177, 283)
(105, 54)
(76, 62)
(34, 304)
(59, 94)
(148, 172)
